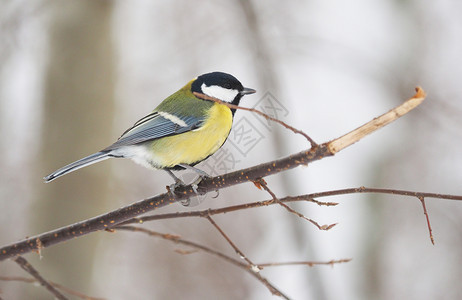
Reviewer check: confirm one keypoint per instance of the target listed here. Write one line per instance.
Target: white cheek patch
(173, 118)
(219, 92)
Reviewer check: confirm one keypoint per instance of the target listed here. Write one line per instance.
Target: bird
(183, 130)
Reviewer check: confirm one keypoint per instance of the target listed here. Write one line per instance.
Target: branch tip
(354, 136)
(420, 93)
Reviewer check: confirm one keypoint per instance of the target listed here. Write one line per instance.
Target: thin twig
(178, 240)
(230, 242)
(56, 285)
(253, 267)
(295, 130)
(422, 200)
(223, 210)
(261, 182)
(26, 266)
(307, 197)
(305, 263)
(363, 189)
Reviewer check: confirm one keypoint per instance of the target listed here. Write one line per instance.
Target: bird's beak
(247, 91)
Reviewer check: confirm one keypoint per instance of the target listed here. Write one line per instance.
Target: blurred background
(75, 74)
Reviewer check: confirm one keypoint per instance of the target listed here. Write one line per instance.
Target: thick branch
(118, 216)
(141, 207)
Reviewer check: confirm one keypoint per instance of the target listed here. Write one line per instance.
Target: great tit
(179, 133)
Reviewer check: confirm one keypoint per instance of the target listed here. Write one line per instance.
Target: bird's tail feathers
(86, 161)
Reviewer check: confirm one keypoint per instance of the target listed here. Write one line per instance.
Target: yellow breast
(196, 145)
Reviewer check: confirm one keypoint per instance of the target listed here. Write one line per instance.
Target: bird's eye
(227, 86)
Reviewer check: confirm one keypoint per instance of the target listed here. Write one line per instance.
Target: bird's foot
(171, 188)
(193, 201)
(195, 184)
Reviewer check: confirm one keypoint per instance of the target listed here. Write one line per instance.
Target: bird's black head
(221, 86)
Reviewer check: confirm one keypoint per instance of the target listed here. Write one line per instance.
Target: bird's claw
(173, 187)
(198, 180)
(194, 186)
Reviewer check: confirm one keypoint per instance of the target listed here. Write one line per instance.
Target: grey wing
(155, 126)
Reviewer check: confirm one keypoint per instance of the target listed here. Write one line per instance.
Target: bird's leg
(202, 175)
(198, 171)
(178, 182)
